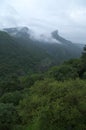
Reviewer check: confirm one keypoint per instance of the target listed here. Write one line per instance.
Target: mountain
(18, 32)
(56, 36)
(60, 48)
(20, 58)
(22, 52)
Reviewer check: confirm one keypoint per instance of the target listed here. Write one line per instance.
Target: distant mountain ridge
(52, 37)
(18, 32)
(20, 52)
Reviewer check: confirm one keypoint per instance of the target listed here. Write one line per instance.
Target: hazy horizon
(45, 16)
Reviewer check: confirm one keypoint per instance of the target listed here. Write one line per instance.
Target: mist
(45, 16)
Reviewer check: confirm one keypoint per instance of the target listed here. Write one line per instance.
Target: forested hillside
(48, 100)
(19, 54)
(55, 45)
(16, 57)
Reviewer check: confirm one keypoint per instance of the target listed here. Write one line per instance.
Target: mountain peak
(18, 31)
(56, 36)
(55, 32)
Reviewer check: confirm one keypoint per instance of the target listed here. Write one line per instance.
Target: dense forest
(54, 99)
(39, 90)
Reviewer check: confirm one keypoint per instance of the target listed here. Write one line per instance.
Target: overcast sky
(68, 16)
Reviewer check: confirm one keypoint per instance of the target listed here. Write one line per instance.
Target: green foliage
(84, 75)
(12, 97)
(84, 58)
(55, 105)
(75, 63)
(29, 80)
(63, 72)
(10, 85)
(8, 116)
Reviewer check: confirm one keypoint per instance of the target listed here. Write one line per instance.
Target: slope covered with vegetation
(55, 45)
(20, 55)
(53, 100)
(18, 58)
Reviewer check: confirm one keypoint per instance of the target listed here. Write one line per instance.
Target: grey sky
(68, 16)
